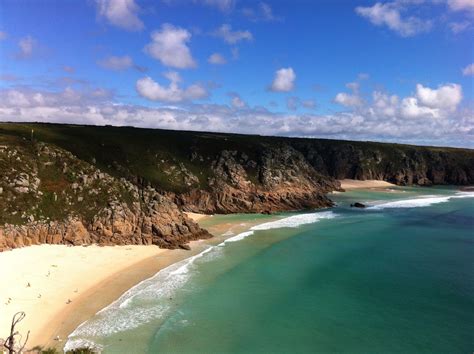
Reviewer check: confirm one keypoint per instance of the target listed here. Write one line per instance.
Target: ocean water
(396, 277)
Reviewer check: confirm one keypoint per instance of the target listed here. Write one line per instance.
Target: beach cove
(93, 278)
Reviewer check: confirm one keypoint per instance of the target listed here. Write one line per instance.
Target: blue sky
(398, 70)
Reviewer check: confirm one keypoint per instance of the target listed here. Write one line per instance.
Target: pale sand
(349, 184)
(197, 217)
(99, 274)
(91, 277)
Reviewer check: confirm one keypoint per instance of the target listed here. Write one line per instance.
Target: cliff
(77, 185)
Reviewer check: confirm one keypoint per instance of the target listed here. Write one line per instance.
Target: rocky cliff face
(279, 179)
(399, 164)
(50, 196)
(106, 185)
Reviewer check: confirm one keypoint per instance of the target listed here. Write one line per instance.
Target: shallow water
(394, 277)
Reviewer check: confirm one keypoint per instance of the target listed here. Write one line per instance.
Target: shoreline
(91, 277)
(351, 184)
(103, 293)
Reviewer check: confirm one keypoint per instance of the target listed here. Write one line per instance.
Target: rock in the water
(358, 205)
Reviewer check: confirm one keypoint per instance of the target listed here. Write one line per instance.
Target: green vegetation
(62, 157)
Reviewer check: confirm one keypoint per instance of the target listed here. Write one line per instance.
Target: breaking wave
(152, 298)
(422, 201)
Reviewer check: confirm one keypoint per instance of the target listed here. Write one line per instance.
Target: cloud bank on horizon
(399, 71)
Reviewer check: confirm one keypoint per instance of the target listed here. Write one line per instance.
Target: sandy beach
(197, 217)
(349, 184)
(59, 287)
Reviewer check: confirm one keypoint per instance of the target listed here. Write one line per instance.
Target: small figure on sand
(39, 296)
(48, 273)
(58, 339)
(76, 290)
(28, 285)
(68, 301)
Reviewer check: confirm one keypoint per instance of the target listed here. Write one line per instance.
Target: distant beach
(349, 184)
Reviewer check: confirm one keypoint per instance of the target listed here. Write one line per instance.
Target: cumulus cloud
(116, 63)
(459, 5)
(232, 37)
(216, 59)
(389, 14)
(353, 99)
(284, 80)
(120, 13)
(468, 70)
(150, 89)
(446, 97)
(26, 46)
(169, 45)
(385, 117)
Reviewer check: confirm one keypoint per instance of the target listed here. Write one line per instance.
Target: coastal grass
(151, 155)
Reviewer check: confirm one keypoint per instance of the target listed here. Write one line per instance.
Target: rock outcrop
(79, 185)
(399, 164)
(63, 200)
(283, 180)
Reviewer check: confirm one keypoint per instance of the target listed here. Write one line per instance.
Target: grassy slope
(147, 153)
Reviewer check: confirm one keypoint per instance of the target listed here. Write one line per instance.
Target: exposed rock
(358, 205)
(53, 191)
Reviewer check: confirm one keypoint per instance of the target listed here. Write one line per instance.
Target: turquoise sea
(396, 277)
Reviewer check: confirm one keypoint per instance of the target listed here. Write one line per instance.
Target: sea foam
(150, 299)
(421, 201)
(290, 222)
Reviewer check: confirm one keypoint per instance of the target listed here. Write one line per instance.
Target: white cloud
(26, 47)
(350, 99)
(120, 13)
(468, 70)
(411, 108)
(152, 90)
(384, 118)
(116, 63)
(284, 80)
(217, 59)
(459, 5)
(232, 37)
(3, 35)
(385, 105)
(169, 45)
(445, 97)
(388, 14)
